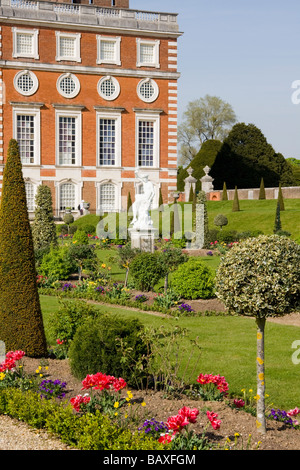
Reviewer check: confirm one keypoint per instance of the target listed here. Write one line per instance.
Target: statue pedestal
(143, 239)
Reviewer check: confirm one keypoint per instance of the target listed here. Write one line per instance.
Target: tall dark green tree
(277, 224)
(246, 157)
(280, 199)
(43, 227)
(21, 322)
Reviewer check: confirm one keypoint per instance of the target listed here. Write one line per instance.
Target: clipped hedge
(84, 432)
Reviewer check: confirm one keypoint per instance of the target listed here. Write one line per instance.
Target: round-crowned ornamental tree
(260, 278)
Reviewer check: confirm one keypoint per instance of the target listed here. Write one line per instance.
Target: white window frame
(155, 45)
(113, 115)
(77, 85)
(76, 199)
(76, 37)
(78, 136)
(152, 98)
(34, 33)
(34, 79)
(104, 183)
(35, 112)
(115, 95)
(151, 117)
(117, 50)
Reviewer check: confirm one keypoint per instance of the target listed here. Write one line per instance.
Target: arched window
(30, 195)
(107, 197)
(67, 196)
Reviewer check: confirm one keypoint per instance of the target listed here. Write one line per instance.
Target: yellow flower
(143, 404)
(129, 395)
(41, 375)
(2, 376)
(116, 414)
(116, 404)
(236, 434)
(103, 265)
(250, 391)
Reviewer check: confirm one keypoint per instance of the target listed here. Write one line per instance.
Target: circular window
(147, 90)
(26, 83)
(68, 85)
(108, 88)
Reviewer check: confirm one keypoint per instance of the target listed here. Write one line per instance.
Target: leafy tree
(170, 258)
(21, 322)
(43, 227)
(83, 255)
(255, 279)
(246, 157)
(125, 256)
(205, 118)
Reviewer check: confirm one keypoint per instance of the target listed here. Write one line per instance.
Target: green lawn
(257, 215)
(228, 347)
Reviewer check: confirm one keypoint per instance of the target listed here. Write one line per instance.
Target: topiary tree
(277, 224)
(43, 227)
(280, 199)
(262, 191)
(201, 199)
(224, 193)
(260, 278)
(21, 322)
(220, 220)
(193, 280)
(236, 203)
(68, 220)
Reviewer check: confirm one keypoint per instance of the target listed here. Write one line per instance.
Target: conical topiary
(21, 322)
(224, 193)
(236, 203)
(262, 191)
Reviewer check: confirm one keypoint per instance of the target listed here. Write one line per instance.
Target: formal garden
(113, 348)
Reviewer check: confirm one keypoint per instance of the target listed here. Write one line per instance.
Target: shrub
(65, 321)
(21, 322)
(81, 237)
(193, 280)
(99, 344)
(57, 264)
(146, 270)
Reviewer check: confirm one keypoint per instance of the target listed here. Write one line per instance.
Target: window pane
(67, 140)
(107, 197)
(67, 196)
(107, 87)
(24, 43)
(147, 53)
(107, 141)
(25, 138)
(67, 47)
(107, 50)
(146, 143)
(29, 196)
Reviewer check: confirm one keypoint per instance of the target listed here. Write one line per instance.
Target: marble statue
(142, 204)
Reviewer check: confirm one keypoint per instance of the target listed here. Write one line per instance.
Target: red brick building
(89, 90)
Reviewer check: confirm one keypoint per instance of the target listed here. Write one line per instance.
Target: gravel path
(16, 435)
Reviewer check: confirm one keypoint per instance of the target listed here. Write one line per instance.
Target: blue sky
(247, 52)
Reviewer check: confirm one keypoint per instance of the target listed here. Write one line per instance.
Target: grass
(257, 215)
(228, 347)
